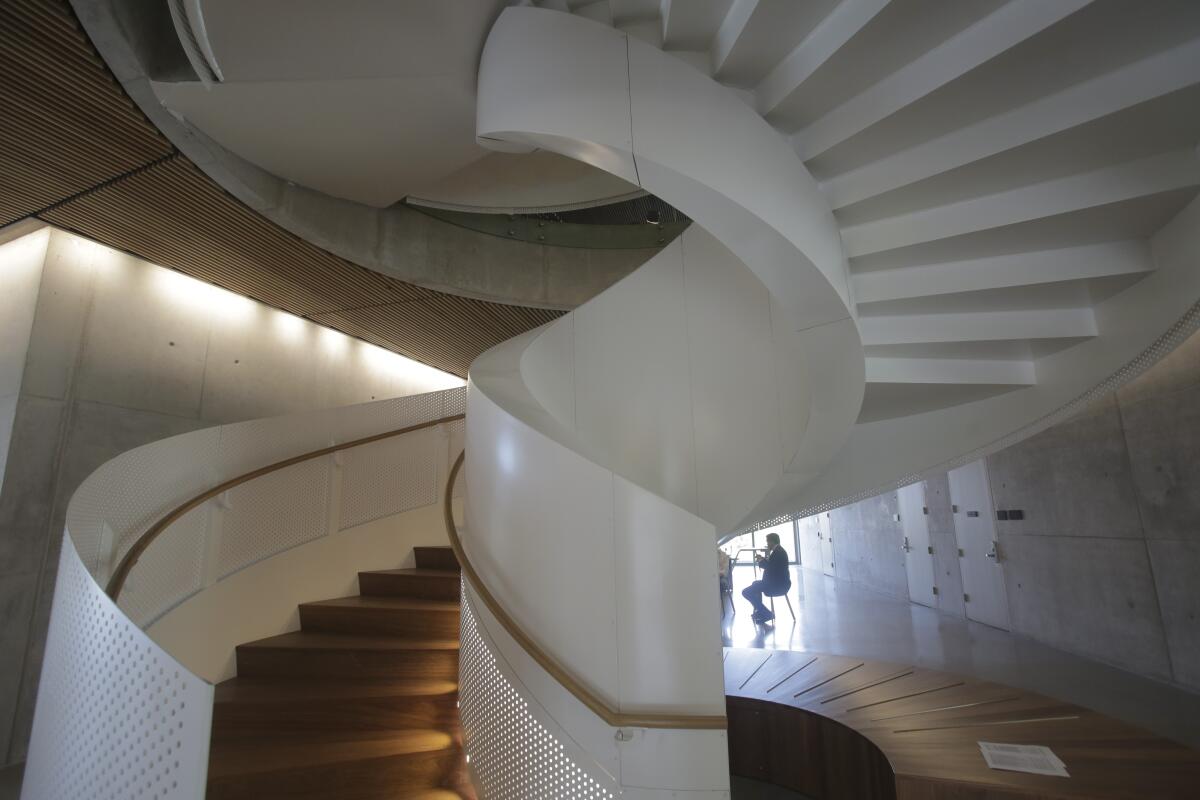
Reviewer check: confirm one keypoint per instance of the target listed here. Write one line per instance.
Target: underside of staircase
(359, 704)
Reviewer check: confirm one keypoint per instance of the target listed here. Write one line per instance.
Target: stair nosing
(346, 642)
(387, 602)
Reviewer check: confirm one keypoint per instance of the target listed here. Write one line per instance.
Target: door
(979, 556)
(825, 534)
(810, 542)
(918, 554)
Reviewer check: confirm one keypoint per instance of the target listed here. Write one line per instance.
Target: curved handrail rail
(585, 695)
(117, 582)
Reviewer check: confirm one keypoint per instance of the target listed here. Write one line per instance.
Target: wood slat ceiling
(76, 152)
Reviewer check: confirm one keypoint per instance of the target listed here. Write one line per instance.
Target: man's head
(772, 540)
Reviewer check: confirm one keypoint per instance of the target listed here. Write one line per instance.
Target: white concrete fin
(692, 24)
(979, 326)
(847, 19)
(731, 30)
(1146, 176)
(950, 371)
(1105, 94)
(1004, 28)
(1102, 260)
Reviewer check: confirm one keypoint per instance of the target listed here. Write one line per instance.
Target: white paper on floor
(1032, 758)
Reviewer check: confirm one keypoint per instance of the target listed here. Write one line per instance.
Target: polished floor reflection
(843, 619)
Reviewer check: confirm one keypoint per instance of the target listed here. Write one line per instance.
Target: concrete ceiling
(104, 171)
(368, 101)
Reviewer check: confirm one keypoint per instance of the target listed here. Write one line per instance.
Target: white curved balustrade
(118, 715)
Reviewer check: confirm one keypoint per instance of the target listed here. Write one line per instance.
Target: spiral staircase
(996, 172)
(923, 230)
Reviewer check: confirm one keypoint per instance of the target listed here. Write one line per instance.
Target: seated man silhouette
(776, 579)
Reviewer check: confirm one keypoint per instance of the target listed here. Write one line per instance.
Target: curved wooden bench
(835, 727)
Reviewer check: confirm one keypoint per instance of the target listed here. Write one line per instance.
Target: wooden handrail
(576, 687)
(117, 581)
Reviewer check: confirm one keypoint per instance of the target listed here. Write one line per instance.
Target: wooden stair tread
(359, 704)
(386, 602)
(416, 572)
(318, 640)
(300, 690)
(421, 582)
(436, 558)
(234, 758)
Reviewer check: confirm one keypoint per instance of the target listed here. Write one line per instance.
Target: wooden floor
(359, 704)
(836, 727)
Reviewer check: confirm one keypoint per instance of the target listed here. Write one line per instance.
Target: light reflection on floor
(844, 619)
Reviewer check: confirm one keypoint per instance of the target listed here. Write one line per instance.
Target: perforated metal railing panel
(273, 513)
(117, 717)
(512, 752)
(389, 477)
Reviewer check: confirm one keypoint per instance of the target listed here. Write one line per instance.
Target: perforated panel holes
(117, 718)
(513, 755)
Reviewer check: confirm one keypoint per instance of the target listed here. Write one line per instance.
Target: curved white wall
(571, 85)
(678, 380)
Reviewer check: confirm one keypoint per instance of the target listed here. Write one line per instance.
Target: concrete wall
(20, 277)
(122, 353)
(1105, 561)
(866, 544)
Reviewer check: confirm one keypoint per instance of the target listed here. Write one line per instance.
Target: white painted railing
(117, 715)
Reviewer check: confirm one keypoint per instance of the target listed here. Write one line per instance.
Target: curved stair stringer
(598, 481)
(597, 95)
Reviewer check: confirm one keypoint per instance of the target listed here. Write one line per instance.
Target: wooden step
(431, 584)
(309, 654)
(256, 707)
(436, 558)
(409, 617)
(349, 768)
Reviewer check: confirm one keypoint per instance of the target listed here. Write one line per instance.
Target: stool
(786, 599)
